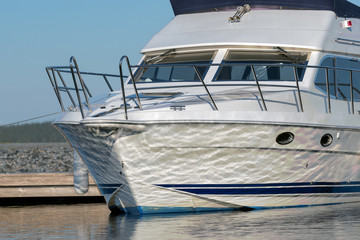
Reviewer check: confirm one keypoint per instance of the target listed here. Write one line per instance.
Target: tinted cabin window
(320, 81)
(175, 72)
(339, 80)
(239, 68)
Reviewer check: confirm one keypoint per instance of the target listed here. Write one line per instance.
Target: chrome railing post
(84, 88)
(133, 82)
(258, 85)
(298, 89)
(328, 88)
(207, 90)
(67, 90)
(123, 88)
(77, 91)
(123, 85)
(56, 89)
(352, 92)
(108, 84)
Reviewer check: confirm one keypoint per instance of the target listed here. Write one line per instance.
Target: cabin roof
(313, 30)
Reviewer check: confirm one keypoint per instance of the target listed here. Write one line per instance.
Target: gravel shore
(36, 157)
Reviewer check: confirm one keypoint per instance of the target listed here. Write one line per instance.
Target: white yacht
(234, 105)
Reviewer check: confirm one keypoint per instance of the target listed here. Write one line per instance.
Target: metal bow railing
(59, 84)
(55, 75)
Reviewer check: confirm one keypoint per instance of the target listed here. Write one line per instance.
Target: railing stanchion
(328, 88)
(298, 89)
(55, 87)
(77, 91)
(207, 90)
(67, 89)
(84, 88)
(352, 92)
(133, 82)
(123, 85)
(123, 89)
(258, 85)
(107, 82)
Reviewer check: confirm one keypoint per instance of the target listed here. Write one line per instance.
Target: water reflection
(94, 221)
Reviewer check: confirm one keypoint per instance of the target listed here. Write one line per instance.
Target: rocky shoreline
(36, 157)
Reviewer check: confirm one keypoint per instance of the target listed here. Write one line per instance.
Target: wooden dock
(44, 188)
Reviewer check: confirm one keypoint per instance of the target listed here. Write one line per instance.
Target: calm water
(93, 221)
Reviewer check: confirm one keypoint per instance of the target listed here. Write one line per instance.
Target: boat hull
(189, 166)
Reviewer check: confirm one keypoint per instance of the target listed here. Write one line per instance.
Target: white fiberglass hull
(185, 167)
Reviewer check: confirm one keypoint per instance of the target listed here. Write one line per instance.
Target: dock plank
(42, 185)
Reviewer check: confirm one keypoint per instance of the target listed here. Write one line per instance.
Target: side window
(320, 81)
(339, 80)
(343, 78)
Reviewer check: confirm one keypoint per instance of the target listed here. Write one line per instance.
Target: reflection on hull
(182, 167)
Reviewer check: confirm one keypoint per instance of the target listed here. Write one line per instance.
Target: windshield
(267, 67)
(183, 67)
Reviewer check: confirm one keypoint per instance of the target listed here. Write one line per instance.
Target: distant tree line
(34, 132)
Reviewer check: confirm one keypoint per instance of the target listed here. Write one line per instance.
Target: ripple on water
(94, 221)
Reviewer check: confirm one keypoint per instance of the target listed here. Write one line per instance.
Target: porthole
(285, 138)
(326, 140)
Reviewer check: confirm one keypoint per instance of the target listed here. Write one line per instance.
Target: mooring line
(30, 119)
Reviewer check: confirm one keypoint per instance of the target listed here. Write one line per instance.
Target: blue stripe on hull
(301, 206)
(306, 189)
(268, 188)
(258, 184)
(261, 191)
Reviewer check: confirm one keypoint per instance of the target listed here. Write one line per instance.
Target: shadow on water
(94, 221)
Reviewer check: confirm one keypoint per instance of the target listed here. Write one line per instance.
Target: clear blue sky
(39, 33)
